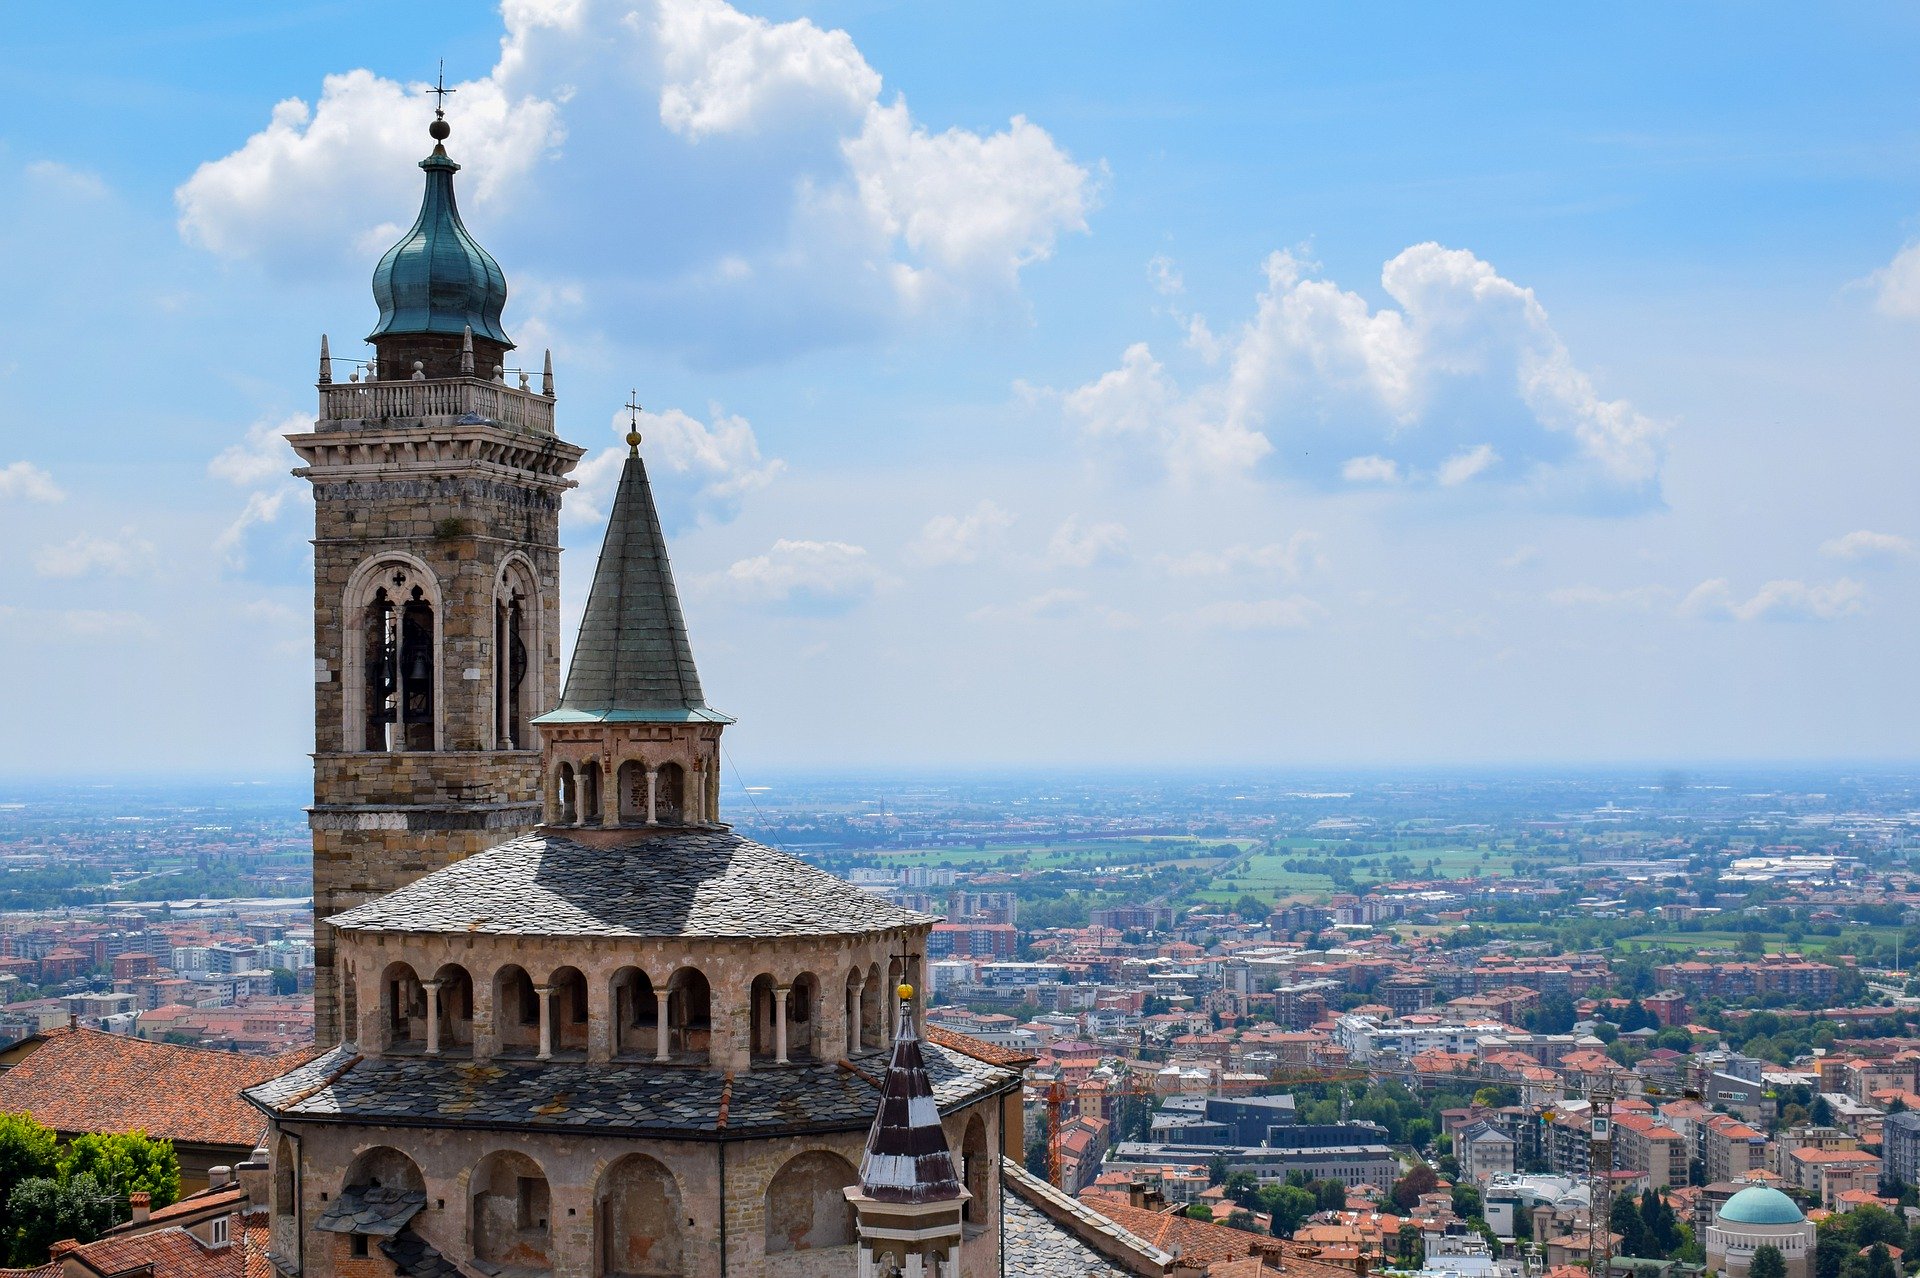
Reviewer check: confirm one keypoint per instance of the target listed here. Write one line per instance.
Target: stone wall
(581, 1171)
(466, 514)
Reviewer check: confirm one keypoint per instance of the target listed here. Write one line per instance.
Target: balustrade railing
(443, 397)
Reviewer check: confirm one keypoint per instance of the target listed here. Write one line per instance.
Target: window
(218, 1227)
(398, 643)
(359, 1246)
(510, 672)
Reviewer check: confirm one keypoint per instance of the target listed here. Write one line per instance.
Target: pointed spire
(908, 1159)
(546, 376)
(466, 351)
(633, 662)
(326, 363)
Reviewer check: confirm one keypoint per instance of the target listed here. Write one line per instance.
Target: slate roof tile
(696, 883)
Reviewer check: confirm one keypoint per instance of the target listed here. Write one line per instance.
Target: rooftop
(81, 1080)
(699, 883)
(640, 1099)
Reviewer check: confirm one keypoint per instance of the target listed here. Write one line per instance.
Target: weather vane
(633, 420)
(440, 91)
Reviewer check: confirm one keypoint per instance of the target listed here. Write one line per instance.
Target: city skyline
(1547, 410)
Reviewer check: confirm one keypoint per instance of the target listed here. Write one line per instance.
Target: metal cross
(440, 91)
(633, 408)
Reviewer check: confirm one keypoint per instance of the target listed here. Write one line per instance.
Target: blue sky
(1072, 384)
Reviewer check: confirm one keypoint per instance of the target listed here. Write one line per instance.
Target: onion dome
(438, 279)
(1761, 1205)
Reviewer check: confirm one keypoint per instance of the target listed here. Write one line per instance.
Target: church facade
(575, 1025)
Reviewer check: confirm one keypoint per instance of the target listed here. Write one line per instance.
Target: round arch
(639, 1220)
(805, 1208)
(399, 580)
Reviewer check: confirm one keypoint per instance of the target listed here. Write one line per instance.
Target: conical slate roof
(438, 279)
(633, 662)
(908, 1159)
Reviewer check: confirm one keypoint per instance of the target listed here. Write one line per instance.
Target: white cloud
(90, 556)
(708, 468)
(803, 576)
(959, 539)
(1295, 612)
(1074, 545)
(28, 482)
(1781, 600)
(808, 209)
(1864, 546)
(67, 179)
(1521, 557)
(1319, 368)
(72, 623)
(1897, 285)
(1635, 598)
(1298, 555)
(1165, 276)
(262, 455)
(261, 508)
(1062, 603)
(1371, 469)
(1467, 464)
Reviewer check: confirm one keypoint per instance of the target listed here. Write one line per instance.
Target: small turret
(909, 1199)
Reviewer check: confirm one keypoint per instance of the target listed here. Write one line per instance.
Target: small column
(607, 792)
(853, 1014)
(653, 792)
(780, 1023)
(660, 1025)
(545, 994)
(433, 1016)
(698, 806)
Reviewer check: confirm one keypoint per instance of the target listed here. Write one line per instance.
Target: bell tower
(437, 479)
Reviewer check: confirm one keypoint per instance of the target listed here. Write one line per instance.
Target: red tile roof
(966, 1044)
(81, 1080)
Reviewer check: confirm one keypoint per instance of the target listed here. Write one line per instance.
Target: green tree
(1767, 1260)
(1632, 1230)
(1407, 1190)
(1243, 1187)
(125, 1163)
(285, 982)
(1880, 1262)
(1820, 1112)
(1466, 1201)
(1829, 1255)
(44, 1211)
(1331, 1195)
(1241, 1218)
(1288, 1205)
(1217, 1170)
(27, 1151)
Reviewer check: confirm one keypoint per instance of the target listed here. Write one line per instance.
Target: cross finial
(440, 91)
(633, 422)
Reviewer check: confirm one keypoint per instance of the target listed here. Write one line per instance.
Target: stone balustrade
(447, 398)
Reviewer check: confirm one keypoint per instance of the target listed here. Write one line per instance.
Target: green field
(1147, 853)
(1775, 942)
(1266, 875)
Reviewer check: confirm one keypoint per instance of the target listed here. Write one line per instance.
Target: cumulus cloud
(959, 539)
(1467, 464)
(1463, 349)
(1165, 276)
(1297, 555)
(90, 556)
(803, 576)
(808, 207)
(261, 456)
(1897, 285)
(1781, 600)
(1371, 469)
(1077, 545)
(706, 469)
(1865, 546)
(28, 482)
(1294, 612)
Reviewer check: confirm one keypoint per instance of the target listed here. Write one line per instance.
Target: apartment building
(1731, 1149)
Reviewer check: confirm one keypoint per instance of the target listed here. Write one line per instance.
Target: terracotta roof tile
(980, 1051)
(81, 1080)
(1194, 1241)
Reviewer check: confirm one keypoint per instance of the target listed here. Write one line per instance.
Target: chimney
(219, 1177)
(142, 1203)
(255, 1176)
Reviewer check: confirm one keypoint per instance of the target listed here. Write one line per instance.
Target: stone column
(485, 1042)
(545, 994)
(609, 796)
(780, 1023)
(697, 806)
(660, 1035)
(433, 1016)
(853, 1013)
(653, 794)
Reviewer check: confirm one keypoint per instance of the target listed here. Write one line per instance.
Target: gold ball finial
(905, 990)
(633, 440)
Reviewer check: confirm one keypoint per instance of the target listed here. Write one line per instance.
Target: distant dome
(438, 279)
(1759, 1205)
